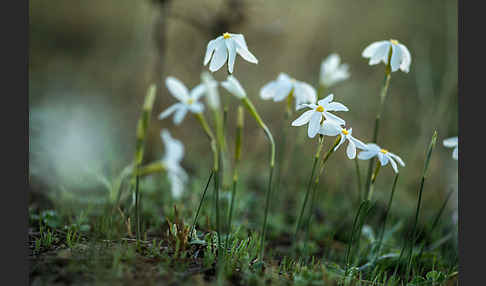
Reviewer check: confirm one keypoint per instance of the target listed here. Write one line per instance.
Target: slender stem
(348, 250)
(380, 239)
(239, 135)
(417, 211)
(142, 127)
(358, 178)
(373, 179)
(249, 105)
(201, 202)
(384, 91)
(304, 203)
(316, 181)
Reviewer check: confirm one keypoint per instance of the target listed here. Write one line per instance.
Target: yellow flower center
(226, 35)
(190, 101)
(384, 151)
(345, 132)
(395, 42)
(320, 108)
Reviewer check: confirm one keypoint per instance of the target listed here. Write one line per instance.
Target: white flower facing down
(285, 86)
(332, 71)
(212, 94)
(318, 112)
(188, 100)
(331, 128)
(233, 86)
(379, 51)
(174, 152)
(384, 156)
(224, 48)
(452, 143)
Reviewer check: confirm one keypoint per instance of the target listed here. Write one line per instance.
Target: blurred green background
(91, 62)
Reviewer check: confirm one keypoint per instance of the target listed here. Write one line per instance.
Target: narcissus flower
(384, 156)
(318, 113)
(188, 101)
(224, 48)
(380, 51)
(452, 143)
(332, 71)
(285, 86)
(331, 128)
(174, 152)
(233, 86)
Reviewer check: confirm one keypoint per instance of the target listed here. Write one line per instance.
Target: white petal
(198, 91)
(336, 106)
(170, 110)
(326, 100)
(455, 153)
(400, 161)
(341, 141)
(303, 119)
(210, 49)
(283, 90)
(366, 155)
(180, 114)
(283, 77)
(304, 93)
(174, 149)
(239, 39)
(232, 85)
(359, 144)
(373, 147)
(450, 142)
(351, 150)
(329, 128)
(383, 159)
(393, 164)
(314, 124)
(177, 88)
(219, 57)
(381, 54)
(333, 117)
(196, 107)
(247, 55)
(269, 90)
(370, 50)
(230, 45)
(330, 64)
(406, 58)
(396, 58)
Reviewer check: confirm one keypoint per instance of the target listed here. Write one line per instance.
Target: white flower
(314, 116)
(331, 128)
(332, 72)
(224, 48)
(379, 51)
(174, 152)
(212, 94)
(452, 143)
(233, 86)
(188, 101)
(284, 86)
(383, 155)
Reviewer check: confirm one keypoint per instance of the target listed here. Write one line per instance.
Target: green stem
(373, 179)
(239, 135)
(142, 128)
(417, 211)
(380, 239)
(384, 91)
(249, 105)
(358, 178)
(201, 202)
(306, 197)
